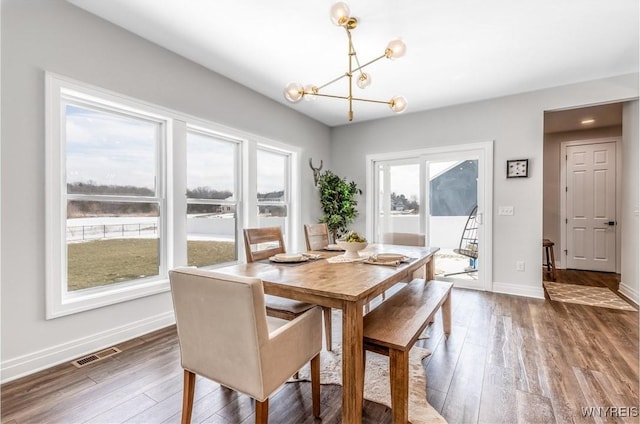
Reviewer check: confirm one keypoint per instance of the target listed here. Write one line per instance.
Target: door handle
(611, 223)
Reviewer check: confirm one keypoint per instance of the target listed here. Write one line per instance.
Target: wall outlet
(505, 210)
(520, 266)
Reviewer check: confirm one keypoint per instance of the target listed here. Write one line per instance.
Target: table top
(324, 283)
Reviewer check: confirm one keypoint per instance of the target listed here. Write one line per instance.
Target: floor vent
(95, 357)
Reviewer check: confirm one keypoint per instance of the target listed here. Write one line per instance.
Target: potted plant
(338, 201)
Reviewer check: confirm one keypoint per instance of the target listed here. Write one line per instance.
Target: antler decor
(316, 171)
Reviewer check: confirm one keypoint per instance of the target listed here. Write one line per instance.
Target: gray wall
(515, 124)
(52, 35)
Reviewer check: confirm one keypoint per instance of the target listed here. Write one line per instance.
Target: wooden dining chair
(316, 236)
(262, 243)
(226, 336)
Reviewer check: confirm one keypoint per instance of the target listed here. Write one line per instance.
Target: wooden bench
(393, 328)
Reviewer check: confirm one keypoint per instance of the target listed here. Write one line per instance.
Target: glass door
(437, 197)
(453, 217)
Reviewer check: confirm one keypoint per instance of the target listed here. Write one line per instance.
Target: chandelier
(294, 92)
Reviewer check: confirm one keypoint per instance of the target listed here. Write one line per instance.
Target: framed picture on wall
(518, 168)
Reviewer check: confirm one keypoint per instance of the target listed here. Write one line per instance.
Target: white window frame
(59, 301)
(292, 188)
(172, 191)
(286, 201)
(208, 131)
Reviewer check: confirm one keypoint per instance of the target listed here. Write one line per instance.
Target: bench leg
(446, 316)
(399, 372)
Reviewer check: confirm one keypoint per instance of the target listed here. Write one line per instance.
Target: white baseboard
(535, 291)
(630, 292)
(33, 362)
(466, 284)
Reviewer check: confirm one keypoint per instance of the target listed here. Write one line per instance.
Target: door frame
(562, 263)
(484, 151)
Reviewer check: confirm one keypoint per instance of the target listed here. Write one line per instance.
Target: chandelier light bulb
(310, 92)
(364, 80)
(293, 92)
(398, 104)
(339, 13)
(395, 49)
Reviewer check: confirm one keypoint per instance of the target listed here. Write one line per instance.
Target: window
(113, 207)
(106, 206)
(212, 199)
(134, 190)
(273, 189)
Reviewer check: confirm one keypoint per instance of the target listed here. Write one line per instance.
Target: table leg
(430, 269)
(352, 363)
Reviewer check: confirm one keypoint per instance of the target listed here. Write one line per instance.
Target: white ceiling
(457, 50)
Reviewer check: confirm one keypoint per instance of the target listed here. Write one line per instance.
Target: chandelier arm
(328, 95)
(369, 63)
(332, 81)
(350, 74)
(355, 54)
(386, 102)
(359, 99)
(345, 75)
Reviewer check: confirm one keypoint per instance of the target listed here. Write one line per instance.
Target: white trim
(60, 302)
(536, 292)
(295, 208)
(630, 292)
(562, 263)
(36, 361)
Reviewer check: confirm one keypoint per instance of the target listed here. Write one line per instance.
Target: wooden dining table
(347, 286)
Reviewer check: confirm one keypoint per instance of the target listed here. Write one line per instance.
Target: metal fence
(109, 231)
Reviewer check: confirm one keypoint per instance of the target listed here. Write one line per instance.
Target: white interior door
(591, 206)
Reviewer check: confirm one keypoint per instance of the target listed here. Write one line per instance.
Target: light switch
(505, 210)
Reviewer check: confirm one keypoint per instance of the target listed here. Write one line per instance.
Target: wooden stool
(550, 266)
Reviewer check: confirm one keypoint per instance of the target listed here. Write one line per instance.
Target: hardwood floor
(589, 278)
(508, 360)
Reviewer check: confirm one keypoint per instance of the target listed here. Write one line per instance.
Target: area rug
(586, 295)
(376, 384)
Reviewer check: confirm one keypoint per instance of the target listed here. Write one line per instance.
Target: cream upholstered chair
(226, 336)
(316, 236)
(406, 239)
(272, 242)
